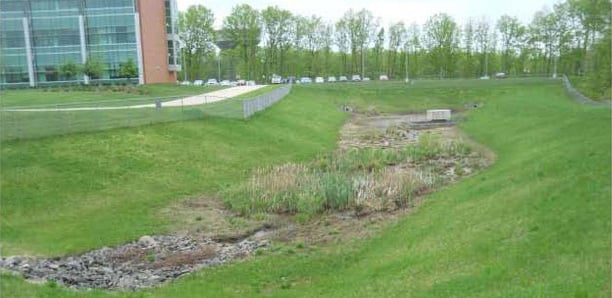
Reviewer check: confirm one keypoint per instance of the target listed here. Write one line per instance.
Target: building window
(15, 75)
(171, 59)
(51, 73)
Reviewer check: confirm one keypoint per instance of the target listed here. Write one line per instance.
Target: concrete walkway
(195, 100)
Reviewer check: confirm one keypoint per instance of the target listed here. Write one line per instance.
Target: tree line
(572, 37)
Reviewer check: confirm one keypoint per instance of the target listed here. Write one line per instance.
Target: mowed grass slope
(537, 223)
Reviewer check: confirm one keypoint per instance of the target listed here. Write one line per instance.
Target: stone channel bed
(145, 263)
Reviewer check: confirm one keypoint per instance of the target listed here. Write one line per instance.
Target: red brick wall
(154, 42)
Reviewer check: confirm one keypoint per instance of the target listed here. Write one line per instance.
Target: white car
(331, 79)
(319, 80)
(241, 83)
(198, 83)
(233, 83)
(383, 78)
(185, 83)
(225, 83)
(500, 75)
(343, 79)
(251, 83)
(365, 79)
(276, 80)
(212, 82)
(356, 78)
(305, 80)
(484, 77)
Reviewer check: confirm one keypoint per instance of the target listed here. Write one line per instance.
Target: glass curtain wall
(111, 34)
(54, 29)
(174, 59)
(13, 56)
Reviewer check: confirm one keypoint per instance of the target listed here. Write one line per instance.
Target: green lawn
(537, 223)
(105, 96)
(31, 125)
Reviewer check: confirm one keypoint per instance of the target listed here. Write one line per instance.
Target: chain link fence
(45, 120)
(579, 97)
(262, 102)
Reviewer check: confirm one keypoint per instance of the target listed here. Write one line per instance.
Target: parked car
(331, 79)
(356, 78)
(251, 83)
(185, 83)
(225, 83)
(343, 79)
(233, 83)
(365, 79)
(290, 80)
(485, 77)
(500, 75)
(383, 78)
(198, 83)
(276, 79)
(212, 82)
(305, 80)
(319, 80)
(241, 83)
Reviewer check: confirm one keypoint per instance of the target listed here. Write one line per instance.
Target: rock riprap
(140, 264)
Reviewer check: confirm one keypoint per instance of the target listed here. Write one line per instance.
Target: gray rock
(147, 242)
(129, 266)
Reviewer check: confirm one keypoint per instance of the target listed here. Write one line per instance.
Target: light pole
(406, 62)
(218, 52)
(362, 63)
(219, 68)
(486, 74)
(555, 66)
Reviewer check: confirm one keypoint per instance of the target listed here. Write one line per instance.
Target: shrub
(358, 179)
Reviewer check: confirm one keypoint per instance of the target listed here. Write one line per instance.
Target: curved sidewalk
(205, 98)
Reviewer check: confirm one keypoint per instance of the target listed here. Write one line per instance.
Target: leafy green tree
(511, 33)
(69, 70)
(360, 27)
(343, 43)
(468, 48)
(277, 25)
(197, 35)
(441, 40)
(397, 36)
(243, 26)
(413, 47)
(482, 39)
(378, 51)
(128, 69)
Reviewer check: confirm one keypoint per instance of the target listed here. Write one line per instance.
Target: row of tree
(94, 69)
(572, 37)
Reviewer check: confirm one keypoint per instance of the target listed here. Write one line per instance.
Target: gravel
(148, 262)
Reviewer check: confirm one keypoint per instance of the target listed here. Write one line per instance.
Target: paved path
(205, 98)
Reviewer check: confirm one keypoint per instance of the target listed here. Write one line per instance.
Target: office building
(40, 37)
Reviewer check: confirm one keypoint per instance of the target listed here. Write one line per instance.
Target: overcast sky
(388, 11)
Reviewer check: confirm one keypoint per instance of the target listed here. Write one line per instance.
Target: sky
(388, 11)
